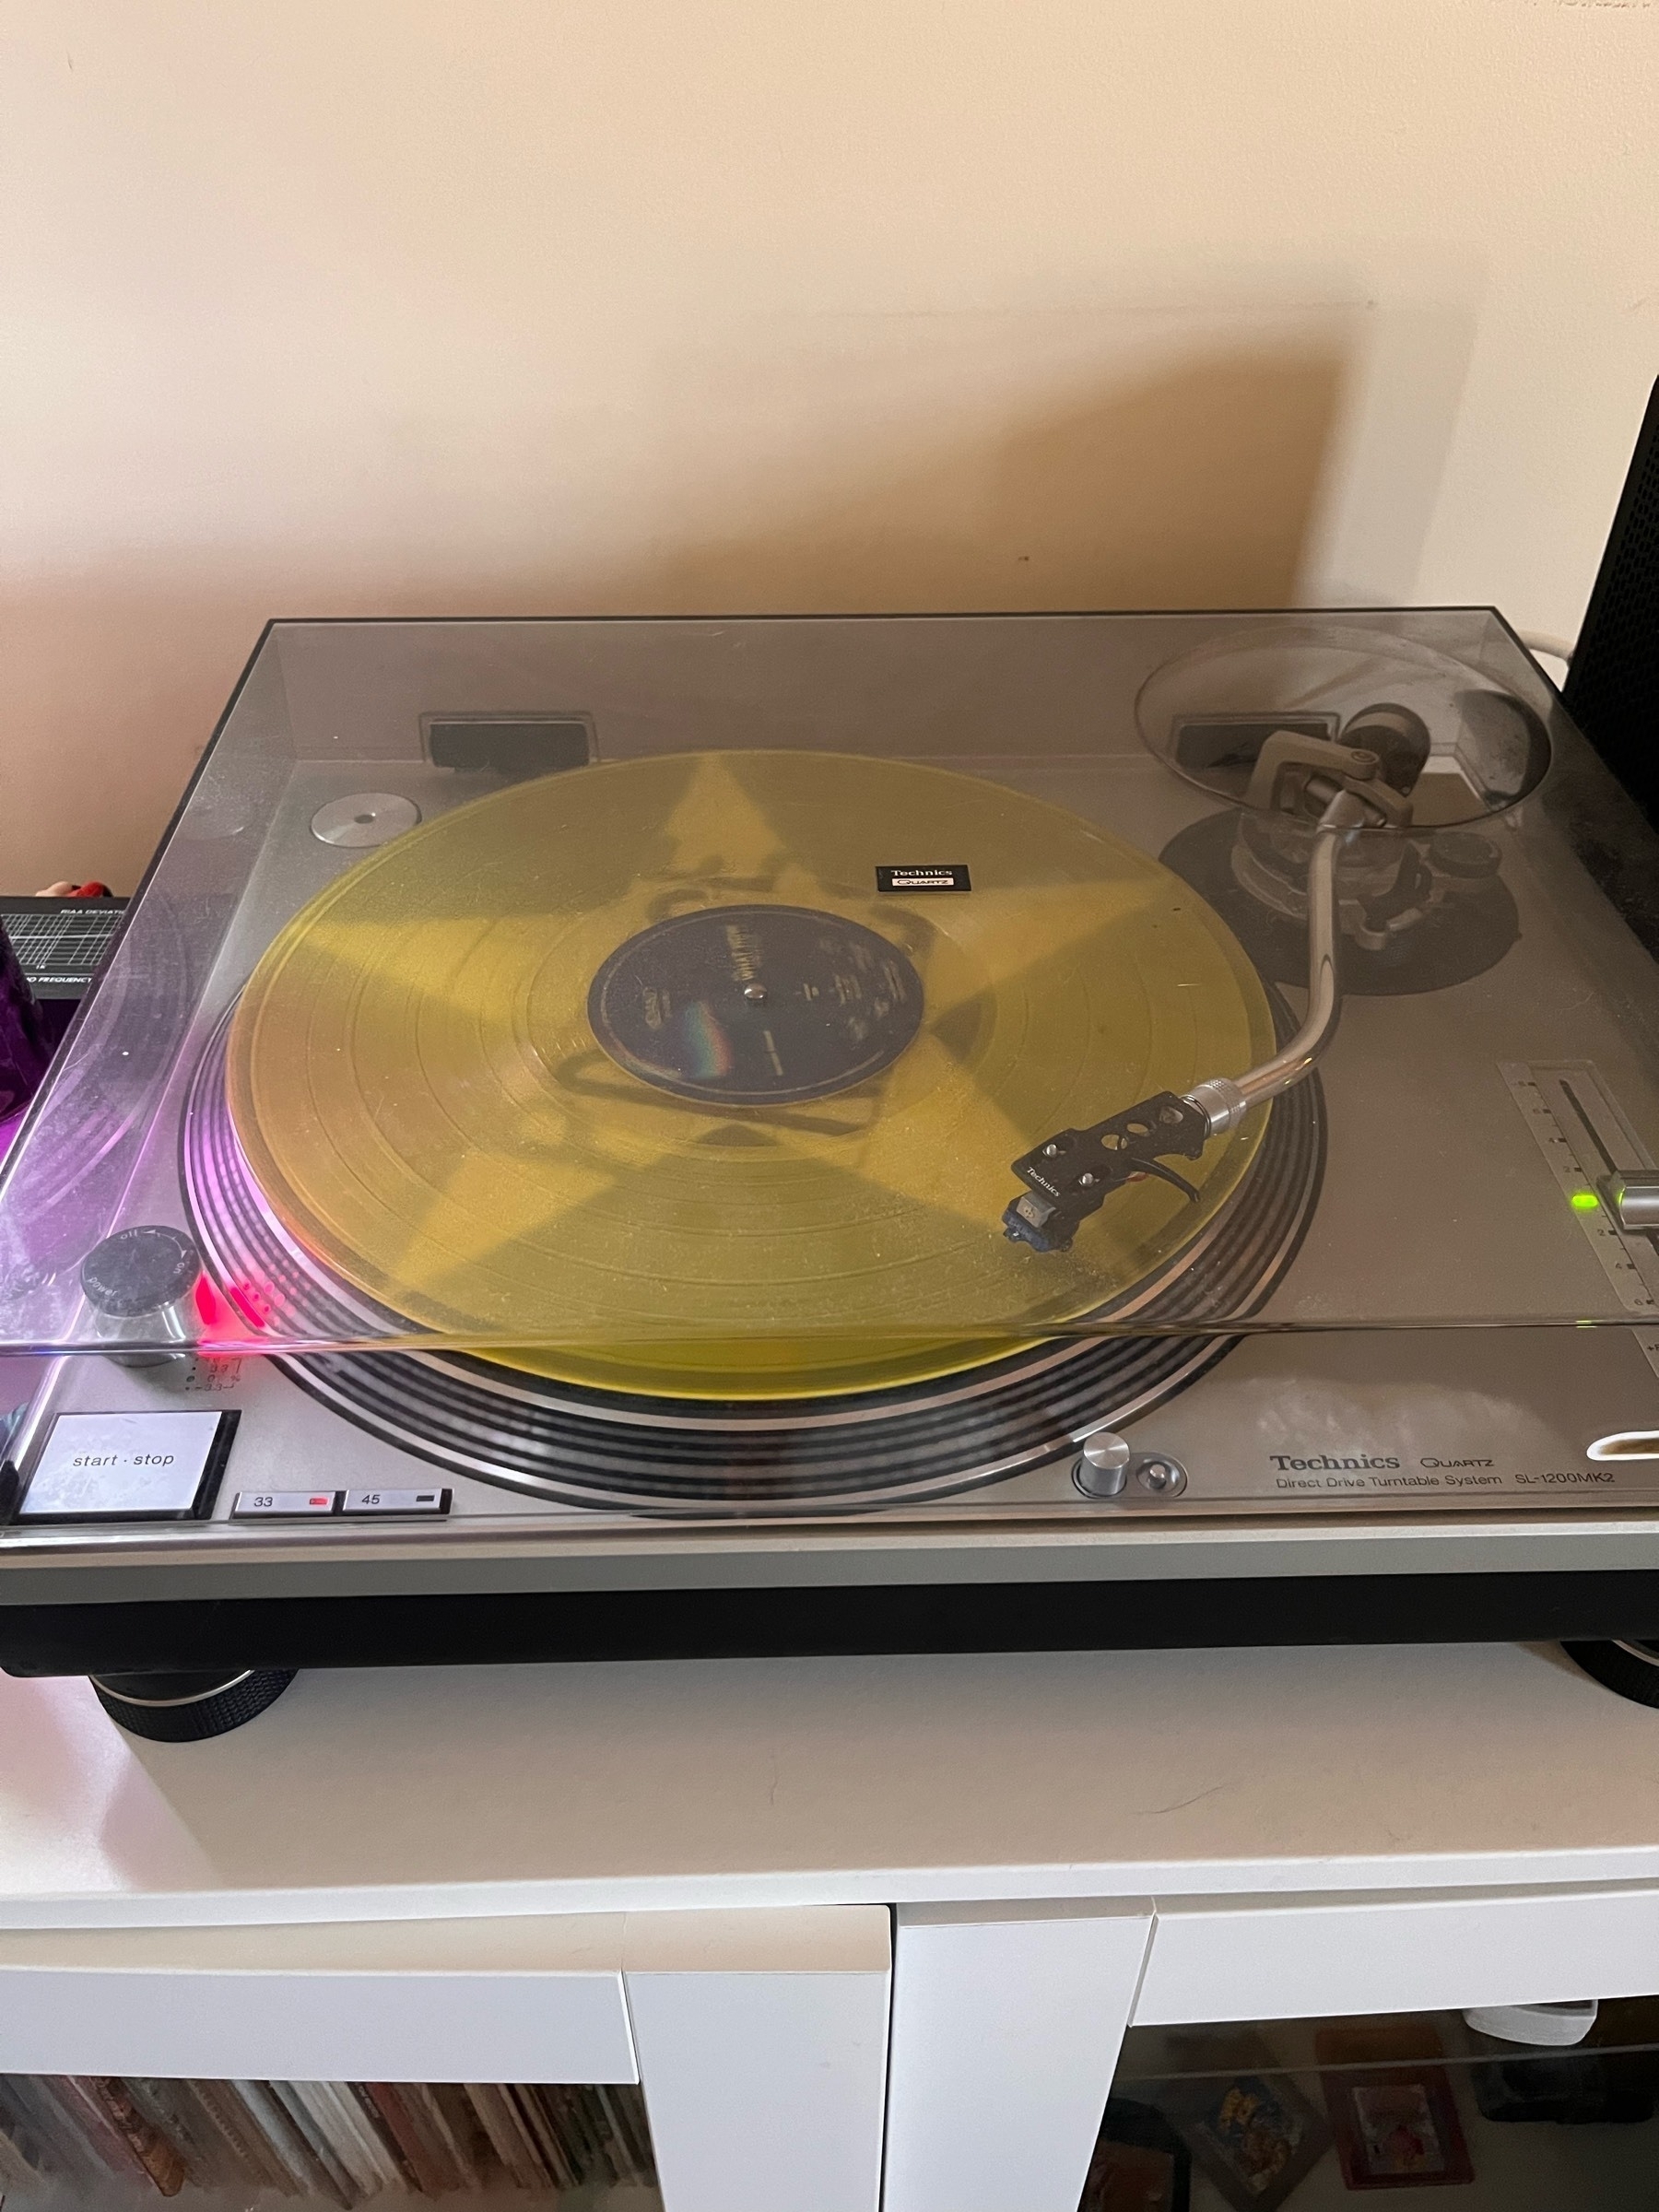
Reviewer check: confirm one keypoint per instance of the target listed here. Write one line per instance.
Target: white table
(697, 1862)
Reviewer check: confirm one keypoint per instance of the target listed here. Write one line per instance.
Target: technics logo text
(1322, 1463)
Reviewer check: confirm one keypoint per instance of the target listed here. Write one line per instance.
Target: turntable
(846, 1134)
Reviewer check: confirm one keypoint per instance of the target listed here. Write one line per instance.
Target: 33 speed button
(284, 1505)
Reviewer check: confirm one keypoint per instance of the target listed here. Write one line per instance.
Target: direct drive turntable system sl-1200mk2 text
(850, 1133)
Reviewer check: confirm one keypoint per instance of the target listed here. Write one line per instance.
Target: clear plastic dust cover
(786, 1007)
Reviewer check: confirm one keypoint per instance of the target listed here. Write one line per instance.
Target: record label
(756, 1005)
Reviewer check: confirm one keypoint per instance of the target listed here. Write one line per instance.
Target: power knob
(1104, 1466)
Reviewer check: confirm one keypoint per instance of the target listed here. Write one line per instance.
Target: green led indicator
(1586, 1202)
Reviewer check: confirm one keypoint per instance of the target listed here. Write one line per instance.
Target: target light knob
(1104, 1466)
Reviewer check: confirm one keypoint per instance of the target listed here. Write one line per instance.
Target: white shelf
(417, 1793)
(1314, 1830)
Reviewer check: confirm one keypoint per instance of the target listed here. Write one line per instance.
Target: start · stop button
(1156, 1474)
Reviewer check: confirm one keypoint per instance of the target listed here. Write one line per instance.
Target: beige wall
(316, 306)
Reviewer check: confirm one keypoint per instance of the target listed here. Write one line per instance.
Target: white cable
(1553, 649)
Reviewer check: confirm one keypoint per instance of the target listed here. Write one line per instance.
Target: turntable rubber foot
(1631, 1670)
(186, 1708)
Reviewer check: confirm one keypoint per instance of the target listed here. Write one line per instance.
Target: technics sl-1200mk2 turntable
(655, 1137)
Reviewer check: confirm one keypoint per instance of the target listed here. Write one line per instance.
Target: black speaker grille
(1612, 690)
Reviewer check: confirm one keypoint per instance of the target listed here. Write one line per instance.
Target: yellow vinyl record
(637, 1078)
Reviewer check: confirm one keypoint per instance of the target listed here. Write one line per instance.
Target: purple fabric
(25, 1045)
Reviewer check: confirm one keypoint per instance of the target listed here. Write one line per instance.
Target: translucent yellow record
(634, 1076)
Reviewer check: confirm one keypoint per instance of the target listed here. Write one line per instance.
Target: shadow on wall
(1198, 487)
